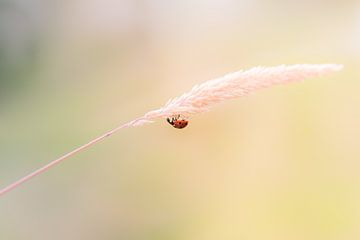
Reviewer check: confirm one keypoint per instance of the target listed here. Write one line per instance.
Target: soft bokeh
(280, 164)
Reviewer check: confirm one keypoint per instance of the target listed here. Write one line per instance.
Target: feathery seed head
(203, 96)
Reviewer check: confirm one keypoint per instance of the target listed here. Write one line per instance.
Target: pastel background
(280, 164)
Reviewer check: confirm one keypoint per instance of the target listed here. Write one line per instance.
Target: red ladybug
(177, 122)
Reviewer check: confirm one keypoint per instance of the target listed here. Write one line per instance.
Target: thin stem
(66, 156)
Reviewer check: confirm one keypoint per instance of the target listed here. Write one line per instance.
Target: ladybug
(177, 122)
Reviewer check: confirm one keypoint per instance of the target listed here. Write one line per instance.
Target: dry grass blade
(203, 96)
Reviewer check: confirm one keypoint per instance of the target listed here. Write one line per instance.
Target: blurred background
(282, 163)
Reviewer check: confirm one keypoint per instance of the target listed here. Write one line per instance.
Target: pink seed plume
(203, 96)
(233, 85)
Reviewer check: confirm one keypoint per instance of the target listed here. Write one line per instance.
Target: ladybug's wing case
(184, 123)
(180, 124)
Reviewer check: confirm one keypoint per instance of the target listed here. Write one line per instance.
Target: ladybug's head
(170, 121)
